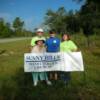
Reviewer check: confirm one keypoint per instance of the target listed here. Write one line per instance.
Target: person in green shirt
(67, 45)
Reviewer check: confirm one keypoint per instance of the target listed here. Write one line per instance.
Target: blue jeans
(65, 76)
(39, 75)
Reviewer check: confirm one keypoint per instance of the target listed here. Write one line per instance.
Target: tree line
(15, 30)
(86, 20)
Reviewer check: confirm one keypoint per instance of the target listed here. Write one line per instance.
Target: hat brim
(40, 31)
(39, 40)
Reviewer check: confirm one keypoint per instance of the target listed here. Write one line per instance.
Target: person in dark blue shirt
(53, 45)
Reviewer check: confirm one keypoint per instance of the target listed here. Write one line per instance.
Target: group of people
(52, 44)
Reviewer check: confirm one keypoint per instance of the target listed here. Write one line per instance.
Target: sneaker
(35, 83)
(48, 83)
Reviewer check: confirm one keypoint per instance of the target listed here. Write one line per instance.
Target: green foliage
(90, 18)
(62, 21)
(73, 23)
(55, 20)
(18, 24)
(6, 30)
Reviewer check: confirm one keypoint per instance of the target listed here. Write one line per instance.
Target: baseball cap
(40, 30)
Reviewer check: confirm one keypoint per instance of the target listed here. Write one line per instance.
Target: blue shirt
(53, 44)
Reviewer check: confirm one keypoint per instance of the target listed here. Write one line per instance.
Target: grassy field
(17, 85)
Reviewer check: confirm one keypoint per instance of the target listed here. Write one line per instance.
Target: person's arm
(74, 50)
(74, 47)
(32, 44)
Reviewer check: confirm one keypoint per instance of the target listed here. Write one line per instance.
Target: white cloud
(29, 23)
(32, 22)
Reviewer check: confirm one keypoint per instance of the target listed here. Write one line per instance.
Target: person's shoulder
(57, 39)
(70, 41)
(35, 47)
(34, 37)
(47, 39)
(44, 38)
(64, 43)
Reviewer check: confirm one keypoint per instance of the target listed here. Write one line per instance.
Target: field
(17, 85)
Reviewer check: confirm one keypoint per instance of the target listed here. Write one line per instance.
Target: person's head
(52, 33)
(65, 37)
(40, 32)
(40, 42)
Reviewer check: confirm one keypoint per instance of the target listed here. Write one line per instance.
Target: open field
(17, 85)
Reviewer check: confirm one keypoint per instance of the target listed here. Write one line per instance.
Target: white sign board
(39, 62)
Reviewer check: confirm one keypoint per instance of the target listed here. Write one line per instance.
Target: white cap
(40, 30)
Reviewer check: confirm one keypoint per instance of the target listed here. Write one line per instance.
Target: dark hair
(52, 31)
(67, 36)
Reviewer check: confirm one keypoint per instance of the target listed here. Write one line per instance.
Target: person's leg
(55, 76)
(51, 75)
(46, 76)
(67, 77)
(62, 76)
(35, 78)
(46, 79)
(41, 76)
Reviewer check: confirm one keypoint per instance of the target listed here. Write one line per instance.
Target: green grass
(17, 85)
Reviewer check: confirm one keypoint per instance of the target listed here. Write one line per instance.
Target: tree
(1, 26)
(56, 19)
(90, 18)
(7, 32)
(18, 26)
(73, 22)
(5, 29)
(62, 21)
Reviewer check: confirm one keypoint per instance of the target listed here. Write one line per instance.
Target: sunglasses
(39, 32)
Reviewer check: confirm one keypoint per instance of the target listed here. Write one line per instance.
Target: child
(67, 45)
(53, 46)
(39, 48)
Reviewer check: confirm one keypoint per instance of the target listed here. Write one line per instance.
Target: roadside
(13, 39)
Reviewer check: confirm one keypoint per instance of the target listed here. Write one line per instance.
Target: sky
(32, 12)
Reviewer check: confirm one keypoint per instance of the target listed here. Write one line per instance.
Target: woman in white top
(39, 48)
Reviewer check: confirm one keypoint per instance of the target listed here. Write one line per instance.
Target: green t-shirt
(68, 46)
(36, 38)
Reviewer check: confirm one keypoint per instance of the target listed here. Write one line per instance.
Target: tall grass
(17, 85)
